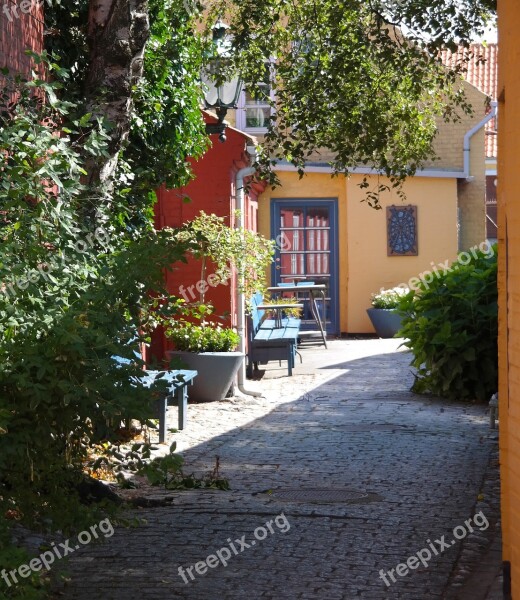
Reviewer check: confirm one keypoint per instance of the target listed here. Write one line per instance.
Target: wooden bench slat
(286, 322)
(269, 307)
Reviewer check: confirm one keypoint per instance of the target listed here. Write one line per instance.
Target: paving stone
(345, 420)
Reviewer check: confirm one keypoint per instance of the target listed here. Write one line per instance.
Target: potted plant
(209, 349)
(383, 314)
(207, 346)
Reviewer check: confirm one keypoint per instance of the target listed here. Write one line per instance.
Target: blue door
(306, 251)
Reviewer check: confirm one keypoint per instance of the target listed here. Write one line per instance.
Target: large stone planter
(216, 372)
(386, 321)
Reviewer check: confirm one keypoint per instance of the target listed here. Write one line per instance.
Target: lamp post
(221, 93)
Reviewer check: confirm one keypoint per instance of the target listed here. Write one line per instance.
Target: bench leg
(290, 358)
(163, 406)
(181, 397)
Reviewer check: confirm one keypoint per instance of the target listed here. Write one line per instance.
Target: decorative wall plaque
(401, 225)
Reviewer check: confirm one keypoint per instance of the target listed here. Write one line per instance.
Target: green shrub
(451, 326)
(74, 293)
(207, 337)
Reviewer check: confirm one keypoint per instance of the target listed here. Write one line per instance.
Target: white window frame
(241, 122)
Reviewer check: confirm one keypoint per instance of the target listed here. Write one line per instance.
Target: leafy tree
(230, 250)
(358, 78)
(152, 115)
(167, 127)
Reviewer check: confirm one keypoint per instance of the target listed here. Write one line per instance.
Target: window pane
(318, 217)
(318, 239)
(291, 240)
(291, 217)
(261, 98)
(292, 264)
(257, 117)
(317, 264)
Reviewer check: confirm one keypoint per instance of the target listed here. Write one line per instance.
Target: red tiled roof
(480, 71)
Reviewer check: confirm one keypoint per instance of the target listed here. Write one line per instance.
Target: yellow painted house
(327, 234)
(509, 285)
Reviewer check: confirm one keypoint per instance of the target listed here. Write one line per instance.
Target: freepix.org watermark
(57, 552)
(202, 286)
(439, 269)
(12, 10)
(234, 547)
(438, 546)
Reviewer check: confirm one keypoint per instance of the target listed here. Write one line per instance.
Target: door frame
(332, 203)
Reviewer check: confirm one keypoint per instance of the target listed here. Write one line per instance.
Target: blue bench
(271, 339)
(177, 383)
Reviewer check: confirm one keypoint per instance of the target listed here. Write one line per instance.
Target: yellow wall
(369, 267)
(449, 142)
(508, 191)
(364, 266)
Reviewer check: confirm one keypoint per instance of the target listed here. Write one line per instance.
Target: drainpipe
(467, 138)
(241, 301)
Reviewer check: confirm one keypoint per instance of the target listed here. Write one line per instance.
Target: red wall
(212, 191)
(20, 31)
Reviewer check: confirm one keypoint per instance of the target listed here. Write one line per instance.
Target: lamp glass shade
(211, 93)
(222, 86)
(230, 91)
(220, 92)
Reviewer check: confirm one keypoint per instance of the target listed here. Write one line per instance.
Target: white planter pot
(216, 372)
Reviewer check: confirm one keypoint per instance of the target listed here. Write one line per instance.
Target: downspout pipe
(241, 301)
(467, 138)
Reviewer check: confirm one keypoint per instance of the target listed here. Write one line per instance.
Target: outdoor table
(313, 290)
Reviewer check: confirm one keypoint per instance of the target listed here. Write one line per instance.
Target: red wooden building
(213, 190)
(20, 30)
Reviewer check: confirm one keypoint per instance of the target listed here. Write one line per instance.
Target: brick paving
(346, 420)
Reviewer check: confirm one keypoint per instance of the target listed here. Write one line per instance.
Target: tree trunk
(117, 34)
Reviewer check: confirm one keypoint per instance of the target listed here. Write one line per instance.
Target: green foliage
(71, 298)
(167, 472)
(451, 326)
(229, 249)
(388, 299)
(167, 125)
(345, 79)
(290, 312)
(207, 337)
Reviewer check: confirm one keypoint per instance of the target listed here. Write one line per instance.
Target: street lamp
(222, 91)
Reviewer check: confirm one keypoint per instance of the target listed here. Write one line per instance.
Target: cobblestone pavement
(417, 467)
